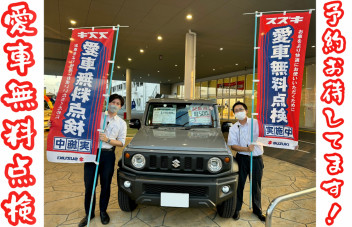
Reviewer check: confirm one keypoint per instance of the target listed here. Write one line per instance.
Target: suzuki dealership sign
(282, 48)
(73, 136)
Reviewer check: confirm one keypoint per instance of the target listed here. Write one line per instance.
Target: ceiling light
(73, 22)
(140, 77)
(168, 80)
(221, 48)
(236, 63)
(141, 51)
(160, 37)
(72, 39)
(213, 69)
(189, 17)
(175, 65)
(158, 71)
(118, 67)
(313, 46)
(129, 59)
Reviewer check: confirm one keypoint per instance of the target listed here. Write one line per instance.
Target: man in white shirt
(239, 139)
(114, 136)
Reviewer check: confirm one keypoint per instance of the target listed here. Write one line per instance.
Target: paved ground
(64, 196)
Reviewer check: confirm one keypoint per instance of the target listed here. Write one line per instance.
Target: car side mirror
(225, 127)
(135, 123)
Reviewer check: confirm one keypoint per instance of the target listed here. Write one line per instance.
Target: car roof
(173, 100)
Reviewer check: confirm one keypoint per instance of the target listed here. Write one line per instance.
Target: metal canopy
(218, 24)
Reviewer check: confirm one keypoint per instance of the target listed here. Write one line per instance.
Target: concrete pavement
(64, 196)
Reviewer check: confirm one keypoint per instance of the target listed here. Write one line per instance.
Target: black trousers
(244, 171)
(105, 172)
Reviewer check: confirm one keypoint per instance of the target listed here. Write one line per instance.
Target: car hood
(200, 139)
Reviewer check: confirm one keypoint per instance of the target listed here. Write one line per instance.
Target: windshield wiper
(198, 126)
(165, 125)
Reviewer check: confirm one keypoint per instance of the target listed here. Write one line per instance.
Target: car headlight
(138, 161)
(214, 165)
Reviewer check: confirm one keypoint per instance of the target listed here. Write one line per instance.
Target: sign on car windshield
(164, 115)
(199, 115)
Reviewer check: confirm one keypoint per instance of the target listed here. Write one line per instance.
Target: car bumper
(203, 192)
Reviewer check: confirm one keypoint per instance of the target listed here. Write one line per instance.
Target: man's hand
(103, 137)
(49, 123)
(251, 148)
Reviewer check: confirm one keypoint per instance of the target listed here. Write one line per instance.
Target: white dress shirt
(115, 129)
(240, 135)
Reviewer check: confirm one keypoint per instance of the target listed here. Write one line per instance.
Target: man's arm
(232, 141)
(112, 142)
(116, 143)
(250, 148)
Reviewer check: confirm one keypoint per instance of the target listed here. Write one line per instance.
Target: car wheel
(125, 203)
(227, 208)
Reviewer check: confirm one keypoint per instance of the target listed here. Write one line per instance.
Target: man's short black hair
(116, 96)
(239, 103)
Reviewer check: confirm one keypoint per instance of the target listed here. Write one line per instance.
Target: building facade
(140, 92)
(227, 89)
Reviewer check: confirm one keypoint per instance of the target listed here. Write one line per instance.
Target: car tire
(125, 203)
(227, 208)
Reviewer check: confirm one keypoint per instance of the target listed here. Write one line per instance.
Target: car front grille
(156, 189)
(176, 163)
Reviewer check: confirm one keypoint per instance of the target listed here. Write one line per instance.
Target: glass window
(248, 93)
(225, 111)
(307, 107)
(204, 90)
(233, 84)
(241, 80)
(181, 115)
(212, 89)
(197, 91)
(219, 88)
(226, 88)
(220, 107)
(232, 115)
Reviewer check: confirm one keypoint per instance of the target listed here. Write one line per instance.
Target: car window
(46, 106)
(193, 115)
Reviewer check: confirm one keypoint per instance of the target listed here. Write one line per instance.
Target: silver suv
(178, 158)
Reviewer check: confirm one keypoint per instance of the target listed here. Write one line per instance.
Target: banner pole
(253, 80)
(281, 11)
(101, 142)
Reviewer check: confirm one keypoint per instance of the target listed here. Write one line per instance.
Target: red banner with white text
(74, 136)
(282, 48)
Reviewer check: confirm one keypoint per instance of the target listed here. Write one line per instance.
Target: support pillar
(190, 65)
(128, 94)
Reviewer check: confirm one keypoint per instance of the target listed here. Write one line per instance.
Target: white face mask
(113, 108)
(241, 115)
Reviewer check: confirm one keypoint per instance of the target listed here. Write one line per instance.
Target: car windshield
(190, 115)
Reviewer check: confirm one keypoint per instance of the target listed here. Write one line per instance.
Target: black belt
(106, 149)
(254, 157)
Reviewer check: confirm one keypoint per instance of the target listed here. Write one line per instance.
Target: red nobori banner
(75, 120)
(282, 43)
